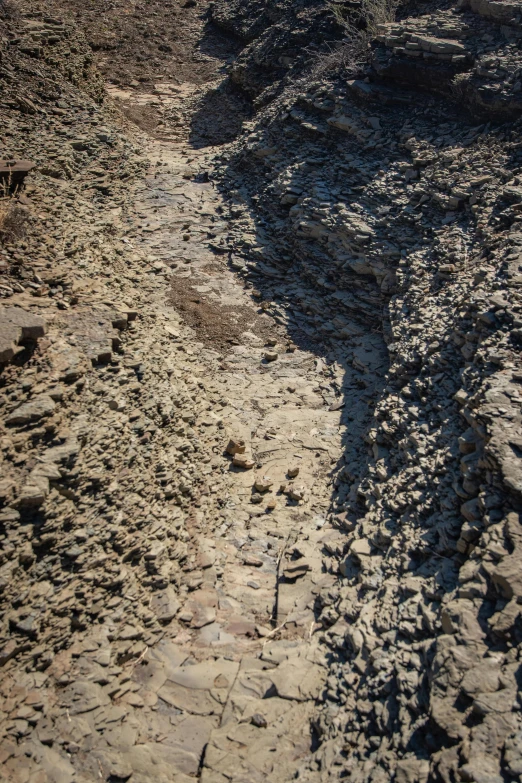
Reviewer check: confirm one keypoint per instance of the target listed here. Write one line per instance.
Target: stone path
(254, 570)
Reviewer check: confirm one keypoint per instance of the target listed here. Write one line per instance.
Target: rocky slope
(261, 429)
(388, 206)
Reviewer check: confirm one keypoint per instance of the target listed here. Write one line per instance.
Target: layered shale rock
(261, 430)
(387, 206)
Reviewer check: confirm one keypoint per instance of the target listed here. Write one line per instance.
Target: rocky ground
(260, 394)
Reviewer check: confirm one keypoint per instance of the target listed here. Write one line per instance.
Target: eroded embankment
(261, 473)
(388, 209)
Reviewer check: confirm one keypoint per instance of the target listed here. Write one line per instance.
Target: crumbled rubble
(278, 39)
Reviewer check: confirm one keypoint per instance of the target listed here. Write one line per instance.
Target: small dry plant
(377, 12)
(14, 218)
(353, 52)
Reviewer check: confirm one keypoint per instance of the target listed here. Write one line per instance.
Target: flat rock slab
(84, 696)
(200, 689)
(31, 411)
(18, 326)
(96, 332)
(298, 679)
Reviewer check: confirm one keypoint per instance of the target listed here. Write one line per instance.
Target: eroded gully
(231, 690)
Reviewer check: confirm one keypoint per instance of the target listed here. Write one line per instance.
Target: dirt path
(172, 516)
(230, 689)
(177, 513)
(240, 667)
(252, 570)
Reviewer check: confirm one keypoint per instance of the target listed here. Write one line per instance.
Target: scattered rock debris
(260, 428)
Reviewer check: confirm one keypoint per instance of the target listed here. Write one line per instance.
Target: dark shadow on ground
(220, 115)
